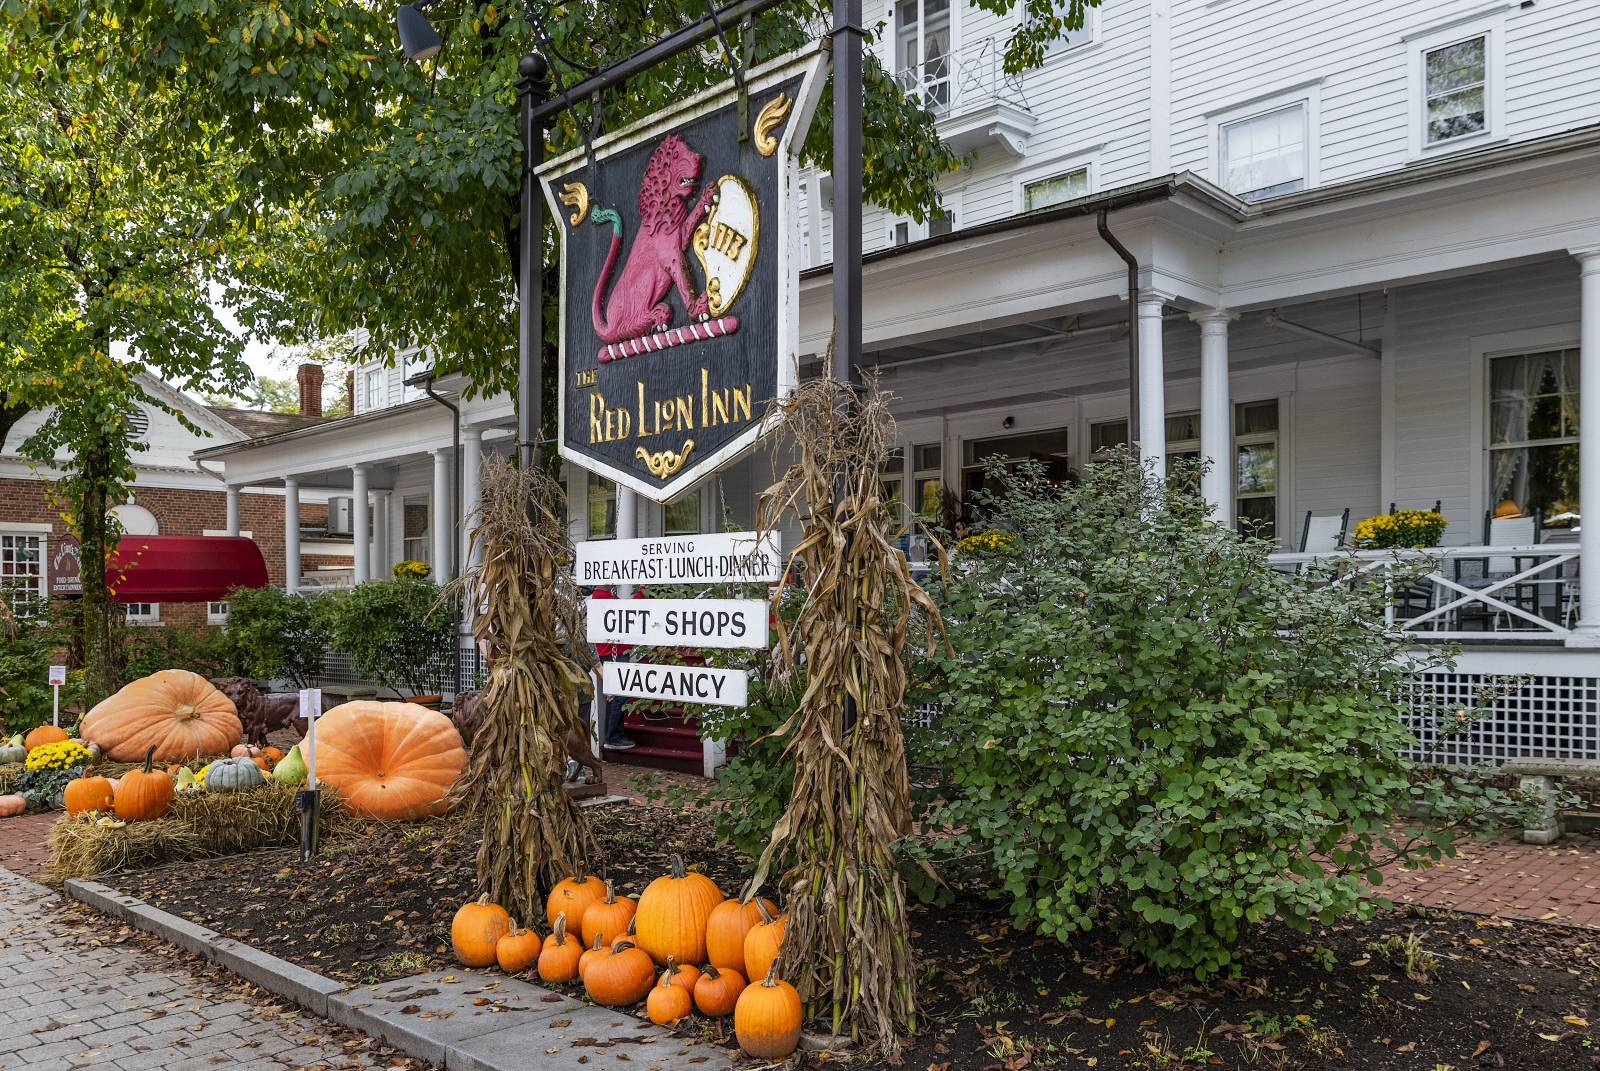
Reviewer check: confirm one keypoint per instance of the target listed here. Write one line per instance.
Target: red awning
(183, 568)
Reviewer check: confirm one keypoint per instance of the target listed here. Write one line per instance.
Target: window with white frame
(415, 542)
(1265, 155)
(602, 504)
(142, 613)
(902, 231)
(372, 385)
(22, 568)
(927, 480)
(217, 613)
(892, 483)
(1083, 35)
(1055, 189)
(1533, 435)
(923, 43)
(1455, 88)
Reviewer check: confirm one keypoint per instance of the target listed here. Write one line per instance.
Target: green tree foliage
(410, 172)
(146, 650)
(32, 637)
(118, 210)
(1150, 729)
(273, 634)
(398, 632)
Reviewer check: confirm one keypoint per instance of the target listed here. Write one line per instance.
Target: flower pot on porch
(432, 702)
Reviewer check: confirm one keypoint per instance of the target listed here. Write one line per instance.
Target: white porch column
(381, 551)
(1152, 383)
(233, 510)
(1587, 632)
(291, 534)
(471, 466)
(441, 514)
(360, 520)
(627, 525)
(1216, 413)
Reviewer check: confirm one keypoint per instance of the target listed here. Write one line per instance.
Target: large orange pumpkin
(620, 977)
(389, 760)
(177, 712)
(475, 932)
(673, 912)
(88, 794)
(726, 928)
(767, 1018)
(44, 734)
(143, 794)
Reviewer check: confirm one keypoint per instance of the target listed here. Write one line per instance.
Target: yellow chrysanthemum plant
(411, 569)
(62, 755)
(992, 541)
(1404, 529)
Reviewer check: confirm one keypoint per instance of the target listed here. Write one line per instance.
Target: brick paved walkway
(24, 847)
(1509, 879)
(80, 990)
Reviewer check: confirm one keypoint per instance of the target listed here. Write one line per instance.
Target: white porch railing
(1524, 593)
(973, 76)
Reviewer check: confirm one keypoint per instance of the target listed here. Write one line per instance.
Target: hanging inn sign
(679, 279)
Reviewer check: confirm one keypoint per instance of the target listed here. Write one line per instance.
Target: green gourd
(291, 769)
(13, 751)
(232, 775)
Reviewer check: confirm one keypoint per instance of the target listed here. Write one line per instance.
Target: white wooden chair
(1321, 534)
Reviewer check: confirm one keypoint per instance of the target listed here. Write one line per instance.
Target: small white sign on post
(718, 558)
(311, 710)
(58, 677)
(724, 623)
(684, 684)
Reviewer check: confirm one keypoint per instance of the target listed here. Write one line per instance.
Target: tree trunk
(94, 531)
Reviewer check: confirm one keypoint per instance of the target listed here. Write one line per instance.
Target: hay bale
(201, 825)
(9, 774)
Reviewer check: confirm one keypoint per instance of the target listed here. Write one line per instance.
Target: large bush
(398, 632)
(273, 634)
(1149, 728)
(203, 650)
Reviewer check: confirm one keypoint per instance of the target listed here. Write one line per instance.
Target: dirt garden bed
(1481, 993)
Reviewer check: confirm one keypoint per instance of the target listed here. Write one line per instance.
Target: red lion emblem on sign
(637, 305)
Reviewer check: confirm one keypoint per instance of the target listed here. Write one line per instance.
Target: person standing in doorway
(611, 734)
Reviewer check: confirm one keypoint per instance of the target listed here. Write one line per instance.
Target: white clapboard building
(1359, 245)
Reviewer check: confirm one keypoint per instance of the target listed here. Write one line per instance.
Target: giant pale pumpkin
(174, 711)
(389, 760)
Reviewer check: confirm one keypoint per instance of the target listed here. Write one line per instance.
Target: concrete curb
(459, 1020)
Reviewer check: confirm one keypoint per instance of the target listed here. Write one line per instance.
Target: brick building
(172, 495)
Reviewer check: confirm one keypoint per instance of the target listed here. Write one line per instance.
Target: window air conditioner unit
(339, 511)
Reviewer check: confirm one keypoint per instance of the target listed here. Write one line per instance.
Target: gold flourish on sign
(771, 116)
(575, 194)
(665, 462)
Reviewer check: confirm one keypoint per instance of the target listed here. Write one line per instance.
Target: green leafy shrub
(1150, 729)
(203, 650)
(274, 634)
(396, 631)
(31, 639)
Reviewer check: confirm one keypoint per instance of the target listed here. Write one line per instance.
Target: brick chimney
(309, 377)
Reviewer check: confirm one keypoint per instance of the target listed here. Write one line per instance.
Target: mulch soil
(1481, 993)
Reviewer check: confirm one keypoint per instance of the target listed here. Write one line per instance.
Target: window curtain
(1513, 383)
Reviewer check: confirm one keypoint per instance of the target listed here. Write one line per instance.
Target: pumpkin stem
(711, 972)
(671, 972)
(561, 928)
(150, 760)
(766, 916)
(633, 926)
(599, 937)
(678, 870)
(611, 893)
(771, 981)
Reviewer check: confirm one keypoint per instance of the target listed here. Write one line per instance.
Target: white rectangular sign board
(58, 675)
(717, 558)
(679, 622)
(681, 684)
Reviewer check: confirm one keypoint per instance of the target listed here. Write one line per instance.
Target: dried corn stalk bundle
(847, 947)
(527, 604)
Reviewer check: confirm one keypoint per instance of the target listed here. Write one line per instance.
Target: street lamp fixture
(418, 38)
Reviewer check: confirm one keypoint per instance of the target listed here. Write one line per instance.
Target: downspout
(455, 518)
(1133, 321)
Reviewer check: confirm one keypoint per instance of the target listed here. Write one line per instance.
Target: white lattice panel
(1544, 716)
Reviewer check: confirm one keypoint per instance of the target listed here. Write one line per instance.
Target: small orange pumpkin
(261, 763)
(767, 1018)
(273, 755)
(717, 991)
(590, 954)
(680, 974)
(763, 943)
(572, 897)
(621, 977)
(516, 951)
(476, 930)
(667, 1003)
(726, 929)
(88, 794)
(44, 734)
(558, 959)
(672, 915)
(608, 916)
(143, 794)
(630, 936)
